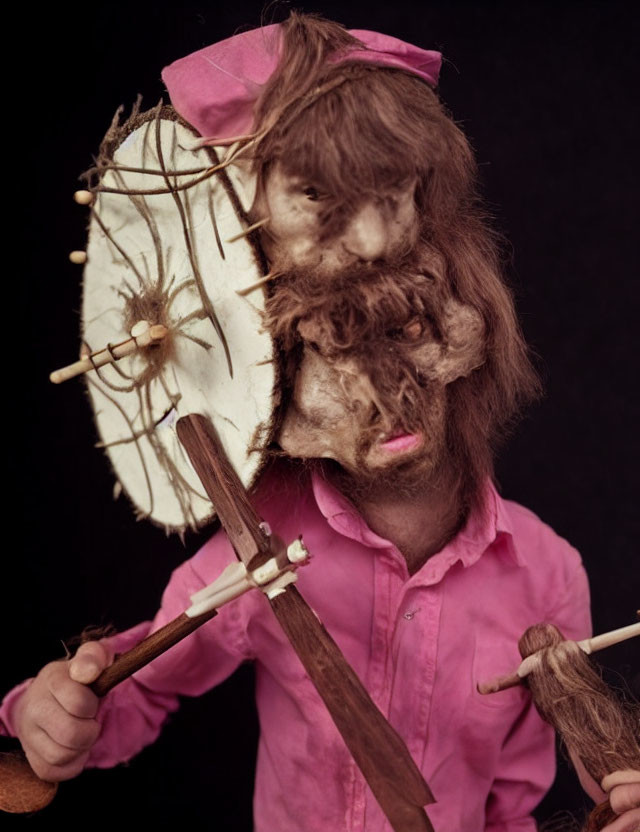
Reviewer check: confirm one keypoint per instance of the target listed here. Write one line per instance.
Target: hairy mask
(367, 187)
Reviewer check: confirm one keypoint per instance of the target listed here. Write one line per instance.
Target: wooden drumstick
(113, 352)
(587, 645)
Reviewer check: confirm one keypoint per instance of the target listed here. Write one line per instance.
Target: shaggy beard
(402, 480)
(424, 469)
(415, 479)
(354, 307)
(353, 312)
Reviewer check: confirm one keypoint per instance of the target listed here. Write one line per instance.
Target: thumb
(620, 778)
(89, 661)
(586, 780)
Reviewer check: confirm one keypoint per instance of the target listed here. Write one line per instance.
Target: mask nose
(367, 234)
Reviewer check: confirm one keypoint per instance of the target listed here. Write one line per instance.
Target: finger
(51, 752)
(53, 774)
(89, 662)
(44, 710)
(616, 778)
(625, 797)
(629, 822)
(48, 715)
(77, 734)
(76, 699)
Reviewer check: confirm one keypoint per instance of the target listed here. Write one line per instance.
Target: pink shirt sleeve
(7, 728)
(133, 713)
(527, 762)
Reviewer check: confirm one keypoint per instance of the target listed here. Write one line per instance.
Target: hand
(56, 717)
(623, 788)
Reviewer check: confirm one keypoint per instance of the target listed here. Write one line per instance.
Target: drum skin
(166, 257)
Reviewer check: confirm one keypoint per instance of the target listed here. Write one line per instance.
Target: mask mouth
(399, 442)
(394, 445)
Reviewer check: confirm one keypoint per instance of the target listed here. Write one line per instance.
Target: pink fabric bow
(215, 89)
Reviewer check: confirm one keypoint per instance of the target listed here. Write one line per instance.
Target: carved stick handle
(225, 490)
(126, 664)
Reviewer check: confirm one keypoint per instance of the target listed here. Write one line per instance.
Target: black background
(547, 94)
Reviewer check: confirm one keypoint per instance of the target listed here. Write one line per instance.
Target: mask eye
(311, 193)
(413, 330)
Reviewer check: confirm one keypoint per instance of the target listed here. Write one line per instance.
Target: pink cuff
(7, 728)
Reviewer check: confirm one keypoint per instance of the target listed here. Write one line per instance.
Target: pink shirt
(419, 643)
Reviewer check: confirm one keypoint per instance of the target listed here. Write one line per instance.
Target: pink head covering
(215, 89)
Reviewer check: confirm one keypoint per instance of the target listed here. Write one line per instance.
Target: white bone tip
(83, 197)
(297, 551)
(139, 328)
(78, 257)
(280, 584)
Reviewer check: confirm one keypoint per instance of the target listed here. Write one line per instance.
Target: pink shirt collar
(485, 526)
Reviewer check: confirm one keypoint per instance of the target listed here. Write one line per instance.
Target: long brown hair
(352, 129)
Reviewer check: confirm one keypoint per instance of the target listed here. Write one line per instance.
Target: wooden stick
(248, 230)
(152, 335)
(126, 664)
(588, 645)
(380, 753)
(151, 647)
(241, 523)
(248, 289)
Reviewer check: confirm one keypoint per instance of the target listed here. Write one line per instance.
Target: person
(404, 367)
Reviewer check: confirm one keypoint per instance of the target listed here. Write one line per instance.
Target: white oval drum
(167, 258)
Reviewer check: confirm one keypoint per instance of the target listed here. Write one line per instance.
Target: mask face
(372, 333)
(301, 235)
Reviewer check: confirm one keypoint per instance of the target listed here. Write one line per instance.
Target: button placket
(378, 681)
(414, 662)
(432, 627)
